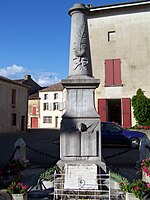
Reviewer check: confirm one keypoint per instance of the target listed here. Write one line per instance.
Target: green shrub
(141, 106)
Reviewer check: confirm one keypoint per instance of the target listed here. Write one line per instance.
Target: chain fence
(41, 153)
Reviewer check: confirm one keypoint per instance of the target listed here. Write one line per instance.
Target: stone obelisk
(80, 139)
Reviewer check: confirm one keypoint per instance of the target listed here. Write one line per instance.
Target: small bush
(141, 106)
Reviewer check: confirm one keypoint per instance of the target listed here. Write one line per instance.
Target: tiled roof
(34, 96)
(54, 87)
(19, 80)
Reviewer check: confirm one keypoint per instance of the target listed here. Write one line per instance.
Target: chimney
(27, 77)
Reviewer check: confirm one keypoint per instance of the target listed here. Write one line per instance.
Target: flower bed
(10, 172)
(145, 166)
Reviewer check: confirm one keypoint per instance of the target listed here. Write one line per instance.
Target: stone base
(81, 161)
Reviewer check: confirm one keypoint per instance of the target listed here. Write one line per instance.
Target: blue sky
(35, 38)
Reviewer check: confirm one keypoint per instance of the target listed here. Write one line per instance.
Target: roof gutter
(117, 6)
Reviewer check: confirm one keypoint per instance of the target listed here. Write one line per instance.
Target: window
(34, 110)
(55, 95)
(13, 97)
(112, 72)
(47, 119)
(45, 96)
(45, 106)
(13, 119)
(55, 106)
(111, 36)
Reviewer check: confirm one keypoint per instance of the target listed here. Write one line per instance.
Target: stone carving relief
(82, 139)
(80, 49)
(84, 128)
(79, 127)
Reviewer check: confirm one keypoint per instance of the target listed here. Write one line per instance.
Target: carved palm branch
(79, 47)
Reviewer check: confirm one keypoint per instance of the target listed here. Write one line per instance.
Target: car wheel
(134, 143)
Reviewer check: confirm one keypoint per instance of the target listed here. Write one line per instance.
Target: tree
(141, 106)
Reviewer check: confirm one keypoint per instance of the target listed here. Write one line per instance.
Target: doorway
(34, 122)
(114, 110)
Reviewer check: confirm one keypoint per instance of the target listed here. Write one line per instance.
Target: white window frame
(55, 106)
(46, 106)
(55, 95)
(47, 119)
(45, 96)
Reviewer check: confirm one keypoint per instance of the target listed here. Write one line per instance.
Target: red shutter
(126, 112)
(34, 110)
(108, 72)
(102, 109)
(117, 72)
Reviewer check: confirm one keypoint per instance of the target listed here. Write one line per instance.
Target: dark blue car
(114, 135)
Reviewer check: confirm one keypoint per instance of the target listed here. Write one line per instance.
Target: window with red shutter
(112, 72)
(34, 110)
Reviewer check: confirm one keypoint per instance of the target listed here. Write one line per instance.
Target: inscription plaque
(80, 176)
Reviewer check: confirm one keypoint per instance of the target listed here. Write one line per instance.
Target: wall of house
(7, 108)
(34, 113)
(131, 45)
(55, 114)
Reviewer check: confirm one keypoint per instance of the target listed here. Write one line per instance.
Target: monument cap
(78, 7)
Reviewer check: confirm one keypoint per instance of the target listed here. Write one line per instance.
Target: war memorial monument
(80, 138)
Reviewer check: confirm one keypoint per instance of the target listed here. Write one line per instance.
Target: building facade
(51, 106)
(120, 51)
(13, 106)
(34, 111)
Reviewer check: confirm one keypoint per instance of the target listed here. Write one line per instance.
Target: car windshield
(113, 127)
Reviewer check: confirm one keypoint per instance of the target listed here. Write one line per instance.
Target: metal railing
(101, 189)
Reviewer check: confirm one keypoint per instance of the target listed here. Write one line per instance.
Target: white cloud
(17, 72)
(47, 78)
(13, 72)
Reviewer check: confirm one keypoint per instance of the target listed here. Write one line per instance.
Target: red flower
(136, 188)
(148, 185)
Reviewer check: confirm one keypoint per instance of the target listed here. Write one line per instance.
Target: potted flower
(10, 172)
(136, 188)
(145, 168)
(18, 191)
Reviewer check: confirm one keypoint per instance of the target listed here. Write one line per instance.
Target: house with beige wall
(52, 105)
(120, 52)
(13, 106)
(34, 111)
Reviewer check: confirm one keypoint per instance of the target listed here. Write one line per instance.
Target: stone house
(52, 105)
(120, 51)
(33, 101)
(34, 87)
(13, 106)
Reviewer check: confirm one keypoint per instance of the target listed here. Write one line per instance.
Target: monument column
(80, 138)
(80, 59)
